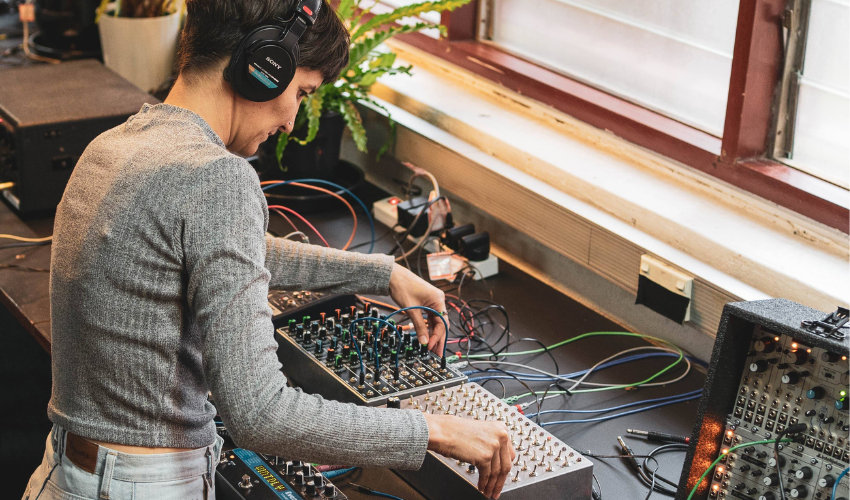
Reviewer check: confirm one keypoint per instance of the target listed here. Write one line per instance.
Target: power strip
(545, 466)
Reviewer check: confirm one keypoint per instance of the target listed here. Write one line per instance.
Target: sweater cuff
(377, 280)
(417, 442)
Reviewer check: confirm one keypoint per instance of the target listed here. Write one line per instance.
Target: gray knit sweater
(159, 277)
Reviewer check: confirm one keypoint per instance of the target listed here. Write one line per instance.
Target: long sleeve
(296, 266)
(224, 254)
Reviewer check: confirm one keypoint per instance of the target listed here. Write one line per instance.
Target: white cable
(304, 237)
(28, 240)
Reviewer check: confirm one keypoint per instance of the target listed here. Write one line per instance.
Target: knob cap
(767, 495)
(310, 489)
(826, 481)
(791, 378)
(246, 482)
(798, 357)
(841, 404)
(816, 393)
(772, 462)
(799, 492)
(771, 480)
(759, 366)
(740, 486)
(804, 473)
(830, 357)
(330, 491)
(308, 337)
(765, 345)
(299, 478)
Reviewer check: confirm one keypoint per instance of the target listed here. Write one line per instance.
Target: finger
(495, 469)
(506, 467)
(419, 325)
(438, 333)
(483, 475)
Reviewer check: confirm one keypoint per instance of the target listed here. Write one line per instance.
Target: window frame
(741, 157)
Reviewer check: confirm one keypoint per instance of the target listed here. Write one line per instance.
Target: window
(821, 129)
(672, 56)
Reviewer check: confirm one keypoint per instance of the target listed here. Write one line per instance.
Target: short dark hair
(214, 28)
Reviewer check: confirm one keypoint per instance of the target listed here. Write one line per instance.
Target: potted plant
(313, 147)
(139, 39)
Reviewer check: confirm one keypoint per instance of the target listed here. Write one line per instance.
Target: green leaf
(355, 124)
(361, 50)
(281, 145)
(313, 108)
(345, 9)
(406, 11)
(385, 60)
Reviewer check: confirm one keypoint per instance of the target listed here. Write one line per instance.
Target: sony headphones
(264, 62)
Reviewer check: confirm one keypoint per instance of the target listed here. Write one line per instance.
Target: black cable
(24, 268)
(791, 429)
(504, 389)
(652, 485)
(389, 232)
(540, 401)
(26, 244)
(594, 494)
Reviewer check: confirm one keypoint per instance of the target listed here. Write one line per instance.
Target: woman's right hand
(486, 445)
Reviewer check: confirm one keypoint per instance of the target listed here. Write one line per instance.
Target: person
(159, 277)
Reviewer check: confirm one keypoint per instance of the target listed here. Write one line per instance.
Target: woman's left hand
(408, 289)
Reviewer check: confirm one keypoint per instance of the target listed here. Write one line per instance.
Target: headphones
(264, 62)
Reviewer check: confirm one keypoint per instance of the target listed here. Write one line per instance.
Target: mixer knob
(299, 478)
(826, 481)
(798, 357)
(246, 482)
(816, 393)
(771, 480)
(310, 489)
(761, 454)
(757, 473)
(830, 357)
(308, 337)
(299, 331)
(346, 350)
(323, 333)
(767, 495)
(841, 404)
(800, 491)
(740, 486)
(330, 491)
(314, 327)
(804, 473)
(765, 345)
(791, 378)
(759, 366)
(772, 462)
(291, 326)
(752, 491)
(423, 349)
(393, 402)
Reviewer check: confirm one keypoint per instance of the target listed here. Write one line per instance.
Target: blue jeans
(187, 475)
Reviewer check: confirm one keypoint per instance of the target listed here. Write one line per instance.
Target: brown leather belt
(81, 452)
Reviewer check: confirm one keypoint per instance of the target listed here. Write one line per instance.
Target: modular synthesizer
(786, 376)
(545, 467)
(243, 474)
(319, 356)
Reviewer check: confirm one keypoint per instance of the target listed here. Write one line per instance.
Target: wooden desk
(536, 310)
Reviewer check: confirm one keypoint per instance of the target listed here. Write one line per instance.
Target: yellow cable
(28, 240)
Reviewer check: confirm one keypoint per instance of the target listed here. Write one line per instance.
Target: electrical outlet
(675, 292)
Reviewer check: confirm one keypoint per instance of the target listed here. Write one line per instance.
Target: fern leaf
(355, 124)
(313, 110)
(361, 50)
(281, 145)
(345, 9)
(385, 60)
(406, 11)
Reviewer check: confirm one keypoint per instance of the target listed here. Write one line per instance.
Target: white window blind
(822, 128)
(672, 56)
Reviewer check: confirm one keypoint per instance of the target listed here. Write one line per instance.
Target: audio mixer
(285, 304)
(319, 356)
(545, 467)
(786, 376)
(243, 474)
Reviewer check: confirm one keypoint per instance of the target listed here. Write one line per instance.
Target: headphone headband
(263, 63)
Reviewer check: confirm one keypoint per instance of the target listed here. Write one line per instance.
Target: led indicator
(394, 201)
(794, 345)
(843, 393)
(776, 339)
(307, 10)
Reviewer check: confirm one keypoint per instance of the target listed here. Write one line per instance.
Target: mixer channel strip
(318, 356)
(545, 467)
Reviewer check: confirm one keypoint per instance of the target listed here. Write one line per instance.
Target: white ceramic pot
(141, 50)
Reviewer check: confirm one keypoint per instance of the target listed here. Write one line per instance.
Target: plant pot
(142, 50)
(66, 29)
(319, 158)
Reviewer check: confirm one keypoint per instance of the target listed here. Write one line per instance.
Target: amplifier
(48, 115)
(776, 365)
